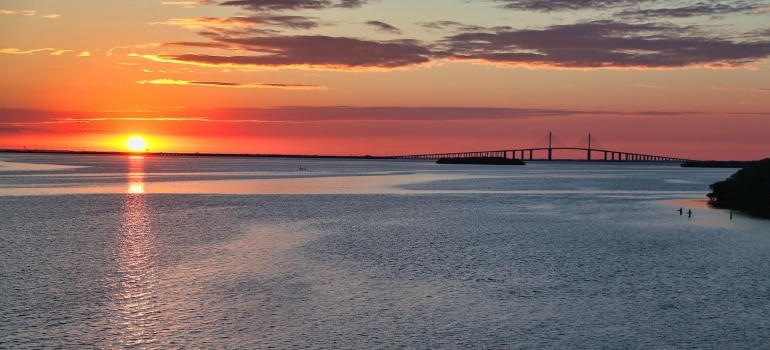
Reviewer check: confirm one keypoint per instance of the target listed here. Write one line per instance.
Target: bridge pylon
(588, 157)
(550, 147)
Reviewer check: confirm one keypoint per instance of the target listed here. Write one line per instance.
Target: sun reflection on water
(135, 175)
(135, 299)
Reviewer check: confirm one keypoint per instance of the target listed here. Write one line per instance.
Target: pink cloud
(232, 85)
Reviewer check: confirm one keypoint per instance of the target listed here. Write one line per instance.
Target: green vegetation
(748, 189)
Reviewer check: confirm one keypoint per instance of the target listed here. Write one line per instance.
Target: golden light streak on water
(135, 302)
(135, 175)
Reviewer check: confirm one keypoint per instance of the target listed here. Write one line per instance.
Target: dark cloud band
(279, 5)
(605, 44)
(317, 51)
(644, 37)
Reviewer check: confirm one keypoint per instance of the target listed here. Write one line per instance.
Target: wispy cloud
(279, 5)
(297, 114)
(232, 84)
(236, 24)
(647, 86)
(29, 13)
(384, 27)
(424, 114)
(450, 26)
(60, 52)
(31, 117)
(16, 51)
(689, 10)
(51, 51)
(563, 5)
(129, 49)
(640, 8)
(757, 90)
(157, 119)
(189, 4)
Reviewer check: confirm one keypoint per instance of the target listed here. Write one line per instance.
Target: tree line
(747, 189)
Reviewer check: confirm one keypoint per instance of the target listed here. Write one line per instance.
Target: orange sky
(678, 78)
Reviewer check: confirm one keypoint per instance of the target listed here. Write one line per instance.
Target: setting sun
(136, 144)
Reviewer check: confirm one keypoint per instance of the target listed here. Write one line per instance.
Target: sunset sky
(687, 79)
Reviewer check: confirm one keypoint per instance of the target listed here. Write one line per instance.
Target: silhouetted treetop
(748, 189)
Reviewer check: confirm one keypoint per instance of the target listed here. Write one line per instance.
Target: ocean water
(192, 252)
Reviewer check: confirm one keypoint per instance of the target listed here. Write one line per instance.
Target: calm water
(119, 252)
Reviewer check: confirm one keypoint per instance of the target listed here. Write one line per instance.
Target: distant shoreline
(480, 160)
(691, 163)
(188, 154)
(736, 164)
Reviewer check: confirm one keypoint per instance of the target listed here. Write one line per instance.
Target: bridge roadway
(529, 154)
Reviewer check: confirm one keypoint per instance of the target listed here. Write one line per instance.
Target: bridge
(546, 153)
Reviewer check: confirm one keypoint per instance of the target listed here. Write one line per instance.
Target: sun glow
(136, 144)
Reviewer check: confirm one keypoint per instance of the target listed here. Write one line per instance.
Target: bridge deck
(547, 153)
